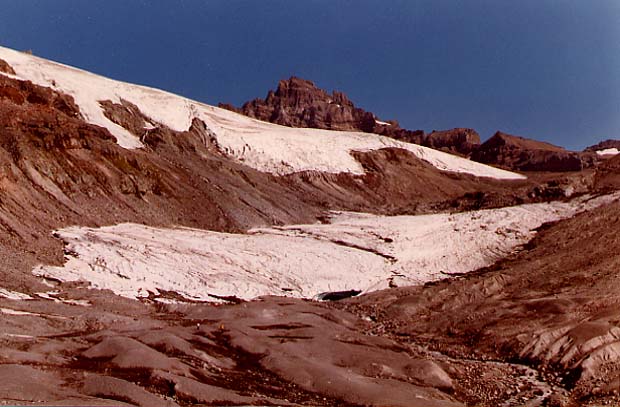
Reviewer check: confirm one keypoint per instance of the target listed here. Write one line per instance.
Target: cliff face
(459, 140)
(299, 103)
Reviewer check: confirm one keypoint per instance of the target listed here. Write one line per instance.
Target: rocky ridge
(300, 103)
(518, 153)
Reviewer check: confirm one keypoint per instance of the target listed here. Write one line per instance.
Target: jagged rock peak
(298, 102)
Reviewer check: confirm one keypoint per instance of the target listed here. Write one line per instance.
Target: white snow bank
(132, 260)
(383, 123)
(356, 251)
(13, 295)
(608, 151)
(263, 146)
(9, 311)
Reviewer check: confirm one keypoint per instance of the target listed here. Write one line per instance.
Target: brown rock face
(459, 140)
(518, 153)
(608, 174)
(6, 68)
(299, 103)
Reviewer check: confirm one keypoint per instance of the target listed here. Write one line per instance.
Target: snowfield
(263, 146)
(354, 252)
(382, 123)
(608, 151)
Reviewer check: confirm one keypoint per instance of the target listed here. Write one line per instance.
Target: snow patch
(382, 123)
(53, 296)
(355, 252)
(263, 146)
(9, 311)
(608, 151)
(14, 295)
(17, 336)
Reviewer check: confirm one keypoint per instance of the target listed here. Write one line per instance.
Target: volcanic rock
(117, 389)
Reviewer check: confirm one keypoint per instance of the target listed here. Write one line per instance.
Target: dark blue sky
(545, 69)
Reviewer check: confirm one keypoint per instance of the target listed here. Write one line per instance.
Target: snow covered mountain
(160, 251)
(261, 145)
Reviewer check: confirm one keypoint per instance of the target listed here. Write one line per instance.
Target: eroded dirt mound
(269, 352)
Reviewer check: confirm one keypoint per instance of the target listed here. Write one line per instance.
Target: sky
(543, 69)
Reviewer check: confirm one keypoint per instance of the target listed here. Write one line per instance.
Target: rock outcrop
(300, 103)
(608, 174)
(459, 140)
(521, 154)
(6, 68)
